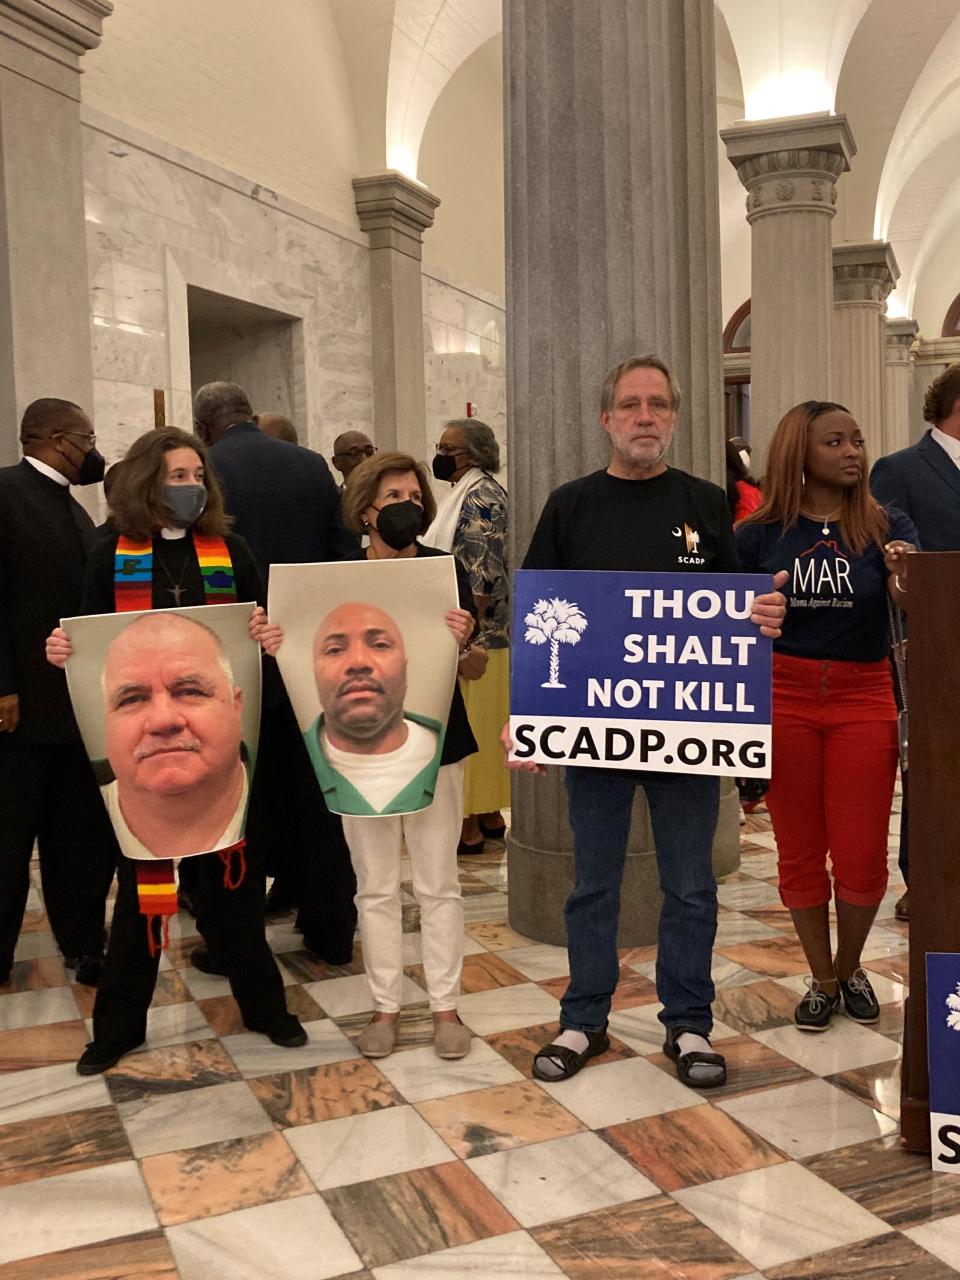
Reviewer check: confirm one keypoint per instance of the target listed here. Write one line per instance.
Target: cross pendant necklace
(176, 588)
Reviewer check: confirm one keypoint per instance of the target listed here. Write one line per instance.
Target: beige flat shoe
(451, 1039)
(377, 1039)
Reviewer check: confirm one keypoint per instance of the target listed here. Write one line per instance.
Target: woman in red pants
(834, 717)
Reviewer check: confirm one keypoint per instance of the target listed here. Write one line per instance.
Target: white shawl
(444, 527)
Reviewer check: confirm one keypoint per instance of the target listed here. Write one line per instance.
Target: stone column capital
(790, 164)
(864, 273)
(62, 29)
(394, 211)
(900, 338)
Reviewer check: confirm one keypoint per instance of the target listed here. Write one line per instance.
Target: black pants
(231, 921)
(300, 840)
(48, 793)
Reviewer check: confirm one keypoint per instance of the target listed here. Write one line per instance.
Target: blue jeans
(683, 811)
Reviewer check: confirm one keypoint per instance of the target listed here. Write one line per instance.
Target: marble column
(898, 364)
(612, 249)
(44, 290)
(863, 277)
(790, 169)
(395, 212)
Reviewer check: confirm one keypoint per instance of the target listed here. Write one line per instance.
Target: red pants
(834, 766)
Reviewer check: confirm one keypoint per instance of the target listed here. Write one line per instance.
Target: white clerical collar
(172, 535)
(948, 444)
(49, 472)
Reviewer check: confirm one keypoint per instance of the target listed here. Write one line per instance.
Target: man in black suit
(924, 482)
(47, 788)
(287, 507)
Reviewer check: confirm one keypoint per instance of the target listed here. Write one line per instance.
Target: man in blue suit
(924, 482)
(286, 506)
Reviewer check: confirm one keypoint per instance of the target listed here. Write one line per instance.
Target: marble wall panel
(160, 220)
(464, 354)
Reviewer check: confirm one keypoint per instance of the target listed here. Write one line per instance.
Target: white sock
(690, 1042)
(575, 1040)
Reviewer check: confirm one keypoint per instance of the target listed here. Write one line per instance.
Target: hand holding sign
(770, 610)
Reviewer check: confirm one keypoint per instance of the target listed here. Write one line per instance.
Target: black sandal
(685, 1061)
(493, 833)
(568, 1059)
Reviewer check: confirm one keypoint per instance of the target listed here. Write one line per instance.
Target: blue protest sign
(640, 671)
(943, 1058)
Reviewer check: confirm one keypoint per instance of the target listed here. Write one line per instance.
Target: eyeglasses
(357, 452)
(451, 450)
(81, 435)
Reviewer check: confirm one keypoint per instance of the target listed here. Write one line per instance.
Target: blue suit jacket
(282, 497)
(925, 484)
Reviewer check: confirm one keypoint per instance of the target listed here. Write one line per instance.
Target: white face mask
(744, 457)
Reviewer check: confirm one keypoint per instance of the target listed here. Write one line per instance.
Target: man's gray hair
(163, 617)
(481, 442)
(612, 380)
(217, 399)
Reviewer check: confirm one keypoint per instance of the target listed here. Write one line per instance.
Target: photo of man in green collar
(370, 755)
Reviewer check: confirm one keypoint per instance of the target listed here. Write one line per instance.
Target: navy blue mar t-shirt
(836, 600)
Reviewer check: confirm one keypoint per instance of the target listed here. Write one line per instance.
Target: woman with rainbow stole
(170, 548)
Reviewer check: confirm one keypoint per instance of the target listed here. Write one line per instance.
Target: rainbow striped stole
(133, 575)
(133, 572)
(216, 569)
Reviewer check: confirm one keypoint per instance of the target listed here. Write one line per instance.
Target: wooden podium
(933, 660)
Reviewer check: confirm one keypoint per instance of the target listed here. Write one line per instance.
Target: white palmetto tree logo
(554, 622)
(953, 1004)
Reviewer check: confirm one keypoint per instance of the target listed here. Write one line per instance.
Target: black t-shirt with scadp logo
(672, 523)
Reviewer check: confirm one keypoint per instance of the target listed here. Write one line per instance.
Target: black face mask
(399, 523)
(444, 465)
(92, 467)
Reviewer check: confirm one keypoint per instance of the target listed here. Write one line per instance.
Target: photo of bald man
(370, 754)
(174, 739)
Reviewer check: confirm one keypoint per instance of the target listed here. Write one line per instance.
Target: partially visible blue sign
(943, 1058)
(652, 671)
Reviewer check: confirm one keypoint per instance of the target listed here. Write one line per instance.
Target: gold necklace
(834, 515)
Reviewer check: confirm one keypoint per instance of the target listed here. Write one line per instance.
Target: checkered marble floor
(211, 1154)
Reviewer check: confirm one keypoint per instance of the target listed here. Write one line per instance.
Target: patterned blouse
(480, 545)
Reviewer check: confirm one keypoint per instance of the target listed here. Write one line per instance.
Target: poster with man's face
(168, 704)
(369, 664)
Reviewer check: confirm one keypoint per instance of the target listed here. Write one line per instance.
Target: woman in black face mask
(388, 497)
(166, 508)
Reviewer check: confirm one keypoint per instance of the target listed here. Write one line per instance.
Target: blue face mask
(184, 503)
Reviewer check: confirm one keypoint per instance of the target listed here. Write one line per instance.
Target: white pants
(376, 847)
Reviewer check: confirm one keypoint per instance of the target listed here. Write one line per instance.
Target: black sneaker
(859, 1000)
(101, 1056)
(285, 1032)
(815, 1010)
(86, 969)
(202, 959)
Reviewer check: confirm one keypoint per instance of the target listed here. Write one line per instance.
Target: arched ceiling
(892, 67)
(887, 54)
(914, 210)
(431, 40)
(790, 52)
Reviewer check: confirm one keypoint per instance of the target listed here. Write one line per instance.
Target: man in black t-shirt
(641, 516)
